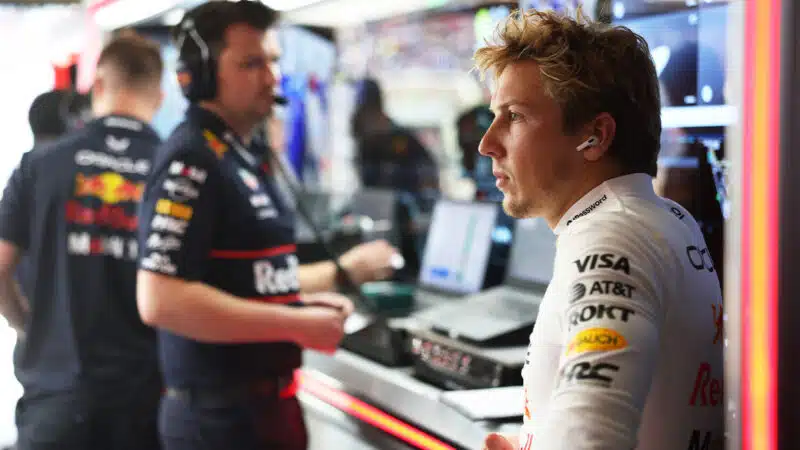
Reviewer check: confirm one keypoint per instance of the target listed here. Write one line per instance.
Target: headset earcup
(210, 81)
(197, 74)
(196, 78)
(186, 79)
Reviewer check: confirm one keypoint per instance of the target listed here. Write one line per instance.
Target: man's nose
(489, 145)
(273, 75)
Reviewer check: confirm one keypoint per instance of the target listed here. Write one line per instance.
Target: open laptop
(454, 264)
(503, 315)
(457, 250)
(370, 213)
(377, 210)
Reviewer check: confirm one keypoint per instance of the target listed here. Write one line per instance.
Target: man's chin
(514, 208)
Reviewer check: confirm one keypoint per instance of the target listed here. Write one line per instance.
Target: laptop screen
(458, 246)
(532, 254)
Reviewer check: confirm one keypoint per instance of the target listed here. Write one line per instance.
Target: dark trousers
(87, 421)
(255, 422)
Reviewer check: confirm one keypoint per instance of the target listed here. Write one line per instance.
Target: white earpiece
(592, 141)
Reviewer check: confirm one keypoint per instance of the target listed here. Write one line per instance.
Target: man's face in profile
(532, 158)
(247, 72)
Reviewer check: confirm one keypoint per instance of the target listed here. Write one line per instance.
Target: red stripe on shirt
(282, 299)
(252, 254)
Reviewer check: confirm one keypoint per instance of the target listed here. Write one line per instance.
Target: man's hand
(371, 261)
(320, 328)
(497, 441)
(331, 300)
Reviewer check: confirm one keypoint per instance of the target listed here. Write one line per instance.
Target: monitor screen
(532, 253)
(688, 48)
(377, 210)
(458, 246)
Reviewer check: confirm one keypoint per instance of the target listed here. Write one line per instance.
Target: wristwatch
(343, 281)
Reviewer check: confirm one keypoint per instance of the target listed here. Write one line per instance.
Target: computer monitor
(377, 208)
(458, 246)
(532, 254)
(688, 47)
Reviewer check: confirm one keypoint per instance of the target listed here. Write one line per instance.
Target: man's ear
(98, 87)
(601, 131)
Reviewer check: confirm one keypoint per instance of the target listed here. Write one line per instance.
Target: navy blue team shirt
(70, 206)
(211, 213)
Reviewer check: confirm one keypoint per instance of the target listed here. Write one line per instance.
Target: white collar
(606, 197)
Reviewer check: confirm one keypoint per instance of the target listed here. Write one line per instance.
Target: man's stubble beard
(518, 209)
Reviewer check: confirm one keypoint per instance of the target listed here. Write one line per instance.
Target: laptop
(454, 264)
(457, 250)
(503, 315)
(377, 211)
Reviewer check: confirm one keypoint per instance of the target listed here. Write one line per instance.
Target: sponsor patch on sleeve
(596, 340)
(170, 208)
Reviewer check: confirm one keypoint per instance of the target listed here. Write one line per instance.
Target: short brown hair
(588, 68)
(213, 18)
(134, 59)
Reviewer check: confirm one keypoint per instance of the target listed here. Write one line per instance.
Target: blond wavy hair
(587, 68)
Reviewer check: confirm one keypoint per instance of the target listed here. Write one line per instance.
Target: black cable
(342, 274)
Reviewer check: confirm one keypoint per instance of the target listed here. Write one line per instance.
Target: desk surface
(397, 392)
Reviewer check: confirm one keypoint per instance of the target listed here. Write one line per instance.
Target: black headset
(197, 68)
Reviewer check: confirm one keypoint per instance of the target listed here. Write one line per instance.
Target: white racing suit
(627, 349)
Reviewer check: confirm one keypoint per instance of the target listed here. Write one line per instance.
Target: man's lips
(501, 179)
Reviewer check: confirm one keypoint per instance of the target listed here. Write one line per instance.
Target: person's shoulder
(63, 146)
(638, 233)
(629, 223)
(191, 147)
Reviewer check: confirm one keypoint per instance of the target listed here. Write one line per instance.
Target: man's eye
(254, 63)
(512, 116)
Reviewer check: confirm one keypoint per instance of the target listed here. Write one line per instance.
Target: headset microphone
(591, 142)
(280, 100)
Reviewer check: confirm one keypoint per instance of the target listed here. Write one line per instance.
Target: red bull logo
(110, 187)
(112, 217)
(215, 144)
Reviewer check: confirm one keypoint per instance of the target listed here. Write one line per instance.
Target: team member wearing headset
(218, 272)
(627, 348)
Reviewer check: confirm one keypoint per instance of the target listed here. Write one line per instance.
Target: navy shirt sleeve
(15, 207)
(178, 214)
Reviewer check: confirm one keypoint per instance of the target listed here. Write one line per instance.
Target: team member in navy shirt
(218, 272)
(87, 363)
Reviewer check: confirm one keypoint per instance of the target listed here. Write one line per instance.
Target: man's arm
(13, 305)
(317, 277)
(15, 212)
(206, 314)
(611, 312)
(366, 262)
